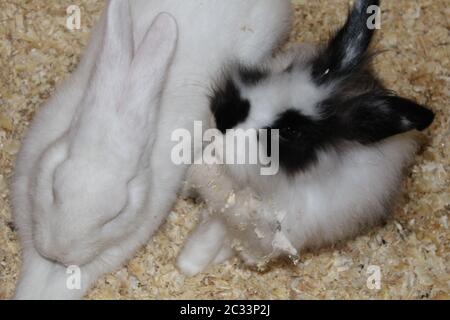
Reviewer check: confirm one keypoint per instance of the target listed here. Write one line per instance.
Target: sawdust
(412, 251)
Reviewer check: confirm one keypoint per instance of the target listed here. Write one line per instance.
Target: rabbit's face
(91, 207)
(318, 98)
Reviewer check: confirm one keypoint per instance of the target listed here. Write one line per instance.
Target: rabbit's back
(234, 29)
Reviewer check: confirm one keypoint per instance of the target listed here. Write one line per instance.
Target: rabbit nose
(69, 261)
(49, 251)
(67, 256)
(61, 250)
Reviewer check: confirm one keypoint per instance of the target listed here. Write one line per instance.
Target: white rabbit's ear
(150, 66)
(116, 52)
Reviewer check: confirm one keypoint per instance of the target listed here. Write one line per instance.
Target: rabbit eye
(290, 133)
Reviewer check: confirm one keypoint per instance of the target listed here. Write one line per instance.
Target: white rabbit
(341, 152)
(94, 178)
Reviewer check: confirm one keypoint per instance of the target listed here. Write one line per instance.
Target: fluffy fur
(94, 178)
(343, 150)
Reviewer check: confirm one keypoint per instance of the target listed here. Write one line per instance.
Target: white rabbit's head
(90, 185)
(318, 98)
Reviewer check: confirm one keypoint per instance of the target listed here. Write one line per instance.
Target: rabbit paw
(206, 246)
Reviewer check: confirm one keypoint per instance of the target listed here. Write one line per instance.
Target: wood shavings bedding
(411, 251)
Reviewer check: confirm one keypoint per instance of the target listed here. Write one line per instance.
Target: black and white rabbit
(343, 148)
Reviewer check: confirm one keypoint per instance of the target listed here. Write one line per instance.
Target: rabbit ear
(127, 89)
(116, 52)
(347, 50)
(371, 118)
(150, 67)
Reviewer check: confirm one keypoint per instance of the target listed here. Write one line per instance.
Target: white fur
(283, 91)
(94, 178)
(349, 188)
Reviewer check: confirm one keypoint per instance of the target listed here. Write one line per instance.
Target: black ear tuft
(347, 50)
(228, 107)
(369, 118)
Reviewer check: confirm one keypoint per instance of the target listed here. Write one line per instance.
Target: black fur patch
(251, 76)
(370, 118)
(227, 106)
(300, 139)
